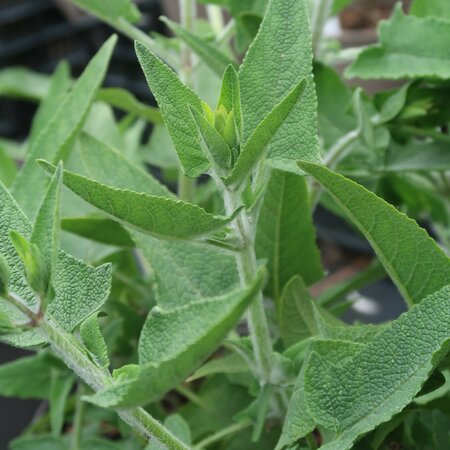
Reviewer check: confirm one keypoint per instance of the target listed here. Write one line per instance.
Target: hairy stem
(69, 350)
(244, 228)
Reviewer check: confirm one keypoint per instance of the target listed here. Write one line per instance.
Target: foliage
(187, 320)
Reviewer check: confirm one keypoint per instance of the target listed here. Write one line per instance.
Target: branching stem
(69, 350)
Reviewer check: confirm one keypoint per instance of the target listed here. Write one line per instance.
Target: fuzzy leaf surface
(158, 216)
(98, 229)
(178, 265)
(173, 98)
(382, 378)
(93, 340)
(46, 227)
(285, 233)
(54, 141)
(277, 60)
(107, 165)
(80, 289)
(263, 135)
(410, 256)
(410, 47)
(174, 343)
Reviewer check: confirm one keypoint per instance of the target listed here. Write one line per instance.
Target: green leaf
(55, 139)
(98, 158)
(80, 290)
(98, 229)
(5, 276)
(212, 141)
(350, 404)
(173, 343)
(8, 168)
(113, 12)
(178, 265)
(410, 47)
(417, 157)
(214, 58)
(15, 376)
(92, 338)
(279, 57)
(230, 96)
(59, 85)
(285, 234)
(436, 8)
(180, 276)
(255, 146)
(60, 387)
(232, 363)
(126, 101)
(46, 227)
(173, 98)
(297, 315)
(33, 261)
(299, 422)
(301, 317)
(158, 216)
(38, 443)
(23, 83)
(412, 259)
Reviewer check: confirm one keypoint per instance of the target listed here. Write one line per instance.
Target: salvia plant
(193, 325)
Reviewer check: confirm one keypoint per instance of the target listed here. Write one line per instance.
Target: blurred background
(38, 34)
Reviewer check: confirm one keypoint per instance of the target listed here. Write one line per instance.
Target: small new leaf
(254, 148)
(215, 146)
(93, 340)
(230, 97)
(36, 271)
(46, 229)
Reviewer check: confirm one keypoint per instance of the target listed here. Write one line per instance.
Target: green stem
(215, 17)
(135, 34)
(78, 419)
(244, 228)
(319, 17)
(65, 346)
(311, 441)
(436, 135)
(221, 434)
